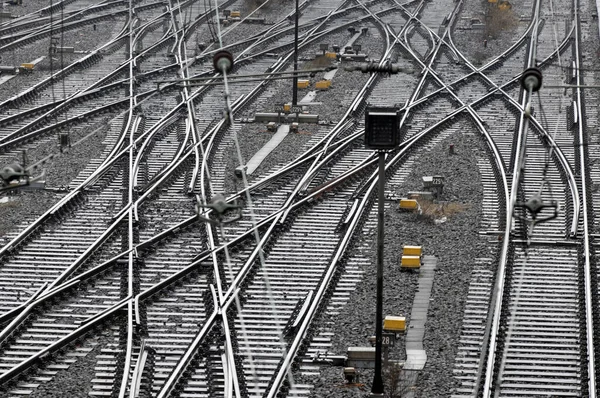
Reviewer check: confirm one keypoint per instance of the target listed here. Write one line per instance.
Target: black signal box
(382, 128)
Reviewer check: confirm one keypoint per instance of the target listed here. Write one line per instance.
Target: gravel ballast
(455, 243)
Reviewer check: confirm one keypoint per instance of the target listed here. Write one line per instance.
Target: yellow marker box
(410, 262)
(235, 14)
(28, 66)
(409, 204)
(303, 83)
(412, 250)
(331, 55)
(394, 324)
(323, 85)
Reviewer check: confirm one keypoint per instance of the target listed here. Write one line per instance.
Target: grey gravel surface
(63, 168)
(455, 243)
(470, 41)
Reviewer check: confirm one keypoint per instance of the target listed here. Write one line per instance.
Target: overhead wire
(50, 53)
(62, 65)
(571, 68)
(544, 120)
(229, 115)
(250, 206)
(209, 20)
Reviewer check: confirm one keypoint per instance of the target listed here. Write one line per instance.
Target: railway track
(196, 309)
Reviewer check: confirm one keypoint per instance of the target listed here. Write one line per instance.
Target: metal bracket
(534, 206)
(220, 206)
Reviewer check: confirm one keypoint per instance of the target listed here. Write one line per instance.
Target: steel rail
(130, 220)
(496, 302)
(69, 26)
(52, 289)
(83, 329)
(242, 101)
(255, 252)
(318, 296)
(5, 141)
(270, 223)
(187, 357)
(191, 113)
(340, 126)
(232, 373)
(50, 292)
(68, 69)
(81, 96)
(120, 69)
(59, 4)
(20, 30)
(585, 183)
(6, 145)
(292, 351)
(94, 86)
(130, 333)
(270, 34)
(562, 159)
(239, 103)
(7, 331)
(102, 316)
(315, 304)
(559, 153)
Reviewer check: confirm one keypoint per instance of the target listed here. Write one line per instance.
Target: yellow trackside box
(409, 204)
(287, 107)
(235, 14)
(323, 85)
(303, 83)
(394, 324)
(412, 251)
(331, 55)
(411, 262)
(27, 66)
